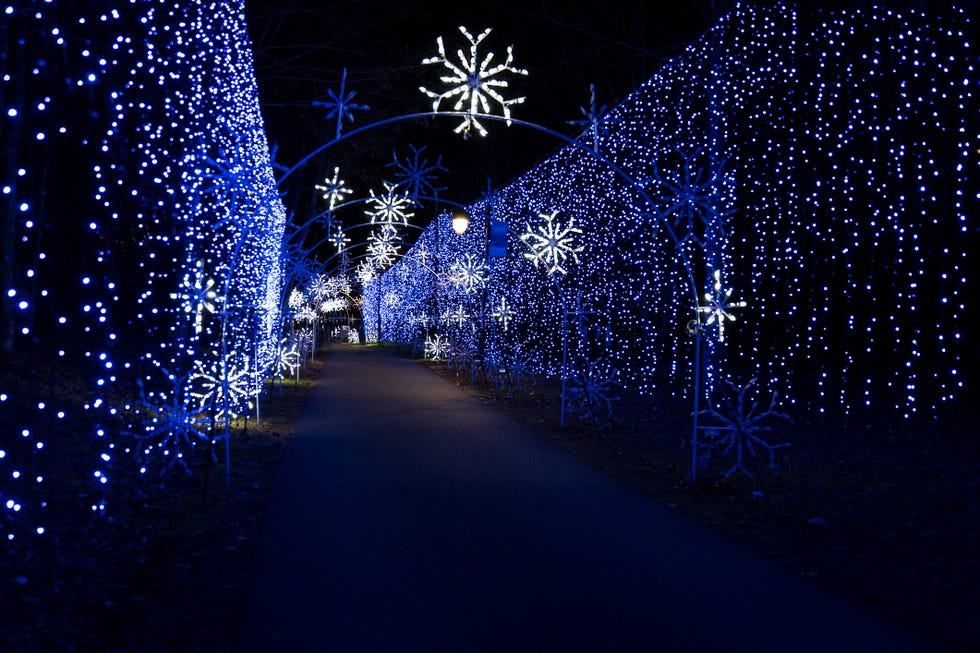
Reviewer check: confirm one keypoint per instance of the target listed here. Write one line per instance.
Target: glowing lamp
(460, 221)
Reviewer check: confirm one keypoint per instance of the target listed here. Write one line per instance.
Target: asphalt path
(408, 516)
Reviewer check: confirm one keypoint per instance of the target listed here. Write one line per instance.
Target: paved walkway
(407, 516)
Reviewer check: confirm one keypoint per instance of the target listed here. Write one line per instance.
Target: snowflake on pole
(341, 104)
(591, 390)
(198, 296)
(339, 240)
(223, 385)
(459, 316)
(389, 208)
(689, 197)
(739, 429)
(469, 273)
(503, 313)
(436, 347)
(719, 305)
(551, 244)
(592, 123)
(416, 175)
(365, 272)
(287, 359)
(334, 189)
(474, 82)
(172, 423)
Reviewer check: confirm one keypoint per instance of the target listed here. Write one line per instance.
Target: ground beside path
(407, 516)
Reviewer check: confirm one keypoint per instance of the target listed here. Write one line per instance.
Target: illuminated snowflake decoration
(341, 104)
(551, 244)
(592, 123)
(353, 337)
(459, 316)
(365, 272)
(296, 299)
(718, 306)
(473, 83)
(333, 305)
(503, 313)
(287, 359)
(305, 314)
(389, 208)
(334, 189)
(436, 348)
(689, 197)
(739, 429)
(223, 386)
(381, 253)
(469, 273)
(416, 175)
(172, 424)
(198, 296)
(590, 392)
(339, 240)
(422, 254)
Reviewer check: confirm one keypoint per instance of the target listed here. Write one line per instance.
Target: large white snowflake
(390, 207)
(436, 347)
(334, 189)
(551, 244)
(223, 385)
(473, 83)
(718, 306)
(469, 273)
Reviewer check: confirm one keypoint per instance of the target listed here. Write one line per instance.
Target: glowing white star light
(551, 244)
(503, 313)
(198, 296)
(474, 82)
(334, 189)
(718, 306)
(339, 240)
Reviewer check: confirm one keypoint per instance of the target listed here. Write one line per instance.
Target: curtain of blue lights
(820, 167)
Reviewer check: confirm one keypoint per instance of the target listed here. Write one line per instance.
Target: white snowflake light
(718, 306)
(365, 272)
(390, 207)
(503, 313)
(296, 299)
(198, 296)
(436, 347)
(339, 240)
(469, 273)
(550, 244)
(459, 316)
(473, 83)
(223, 385)
(288, 359)
(334, 189)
